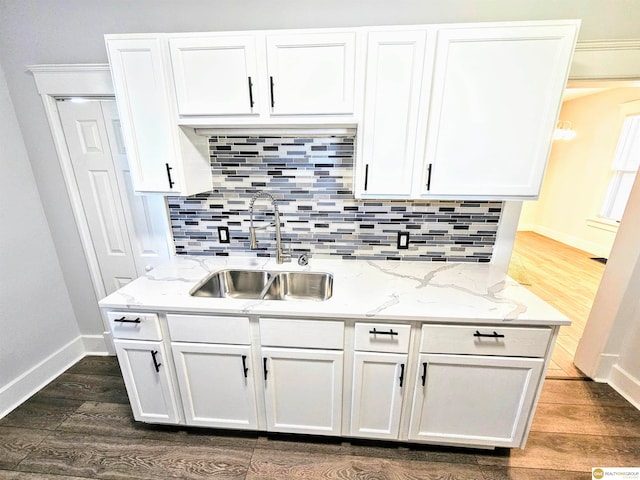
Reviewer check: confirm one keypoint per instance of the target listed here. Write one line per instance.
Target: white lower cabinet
(146, 377)
(303, 390)
(379, 381)
(474, 400)
(216, 385)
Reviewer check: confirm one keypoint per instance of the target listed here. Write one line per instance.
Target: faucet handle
(303, 260)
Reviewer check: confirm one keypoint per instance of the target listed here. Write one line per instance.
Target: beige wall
(578, 174)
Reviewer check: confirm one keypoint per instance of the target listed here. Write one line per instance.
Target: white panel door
(96, 177)
(215, 75)
(146, 215)
(392, 96)
(311, 73)
(128, 231)
(146, 377)
(216, 385)
(303, 390)
(378, 384)
(457, 400)
(495, 99)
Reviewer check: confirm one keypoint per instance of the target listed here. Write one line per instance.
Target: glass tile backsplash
(312, 180)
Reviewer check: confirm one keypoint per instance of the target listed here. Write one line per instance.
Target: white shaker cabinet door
(474, 400)
(215, 75)
(146, 377)
(392, 98)
(216, 385)
(379, 382)
(311, 73)
(303, 390)
(495, 99)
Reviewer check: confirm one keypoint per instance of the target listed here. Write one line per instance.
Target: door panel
(97, 183)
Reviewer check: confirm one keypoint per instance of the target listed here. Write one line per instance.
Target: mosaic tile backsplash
(312, 181)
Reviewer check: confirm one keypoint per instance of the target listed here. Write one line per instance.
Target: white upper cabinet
(495, 98)
(312, 73)
(392, 93)
(163, 157)
(215, 75)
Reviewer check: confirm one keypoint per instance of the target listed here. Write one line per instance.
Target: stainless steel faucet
(280, 256)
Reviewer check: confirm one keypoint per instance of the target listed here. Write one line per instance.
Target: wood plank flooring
(80, 427)
(566, 278)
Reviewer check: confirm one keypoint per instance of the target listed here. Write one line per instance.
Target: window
(624, 169)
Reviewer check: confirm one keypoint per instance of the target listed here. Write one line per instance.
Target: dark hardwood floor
(80, 426)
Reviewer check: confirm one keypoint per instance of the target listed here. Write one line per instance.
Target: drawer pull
(488, 335)
(265, 369)
(401, 374)
(245, 369)
(155, 360)
(376, 332)
(424, 373)
(126, 320)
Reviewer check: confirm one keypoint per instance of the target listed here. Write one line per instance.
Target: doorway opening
(562, 234)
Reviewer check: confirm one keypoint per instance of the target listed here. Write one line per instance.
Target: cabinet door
(141, 92)
(215, 75)
(216, 385)
(146, 377)
(394, 75)
(303, 390)
(311, 73)
(378, 386)
(495, 99)
(457, 400)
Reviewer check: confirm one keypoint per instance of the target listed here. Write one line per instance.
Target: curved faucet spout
(280, 256)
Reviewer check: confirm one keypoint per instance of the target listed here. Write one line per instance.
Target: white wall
(578, 174)
(37, 321)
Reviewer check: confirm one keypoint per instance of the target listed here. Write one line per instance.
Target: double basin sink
(265, 285)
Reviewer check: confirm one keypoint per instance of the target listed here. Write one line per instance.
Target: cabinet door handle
(126, 320)
(401, 374)
(245, 369)
(250, 93)
(376, 332)
(155, 360)
(488, 335)
(273, 103)
(366, 176)
(424, 373)
(171, 182)
(264, 362)
(429, 168)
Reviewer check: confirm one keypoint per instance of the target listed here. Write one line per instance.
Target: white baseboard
(625, 384)
(593, 248)
(97, 345)
(33, 380)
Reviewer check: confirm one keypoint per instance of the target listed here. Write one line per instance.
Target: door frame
(77, 80)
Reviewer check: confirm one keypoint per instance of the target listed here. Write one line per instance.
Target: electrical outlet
(223, 235)
(403, 240)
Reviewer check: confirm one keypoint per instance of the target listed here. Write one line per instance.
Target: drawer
(485, 340)
(209, 329)
(277, 332)
(382, 337)
(134, 325)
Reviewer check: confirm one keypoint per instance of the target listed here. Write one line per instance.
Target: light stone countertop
(380, 290)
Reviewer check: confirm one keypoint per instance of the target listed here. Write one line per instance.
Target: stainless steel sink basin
(265, 285)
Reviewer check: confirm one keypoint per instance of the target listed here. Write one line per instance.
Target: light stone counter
(382, 290)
